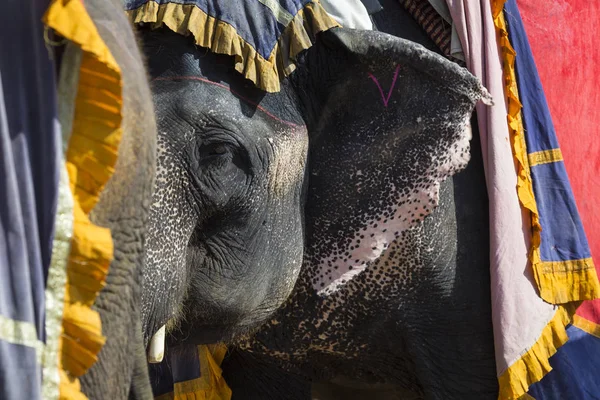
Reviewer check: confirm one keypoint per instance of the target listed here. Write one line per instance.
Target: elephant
(121, 370)
(315, 229)
(416, 324)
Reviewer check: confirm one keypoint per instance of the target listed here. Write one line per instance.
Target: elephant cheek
(170, 226)
(286, 171)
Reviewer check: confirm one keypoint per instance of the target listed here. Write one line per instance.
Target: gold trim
(21, 333)
(586, 325)
(210, 384)
(222, 38)
(90, 159)
(570, 285)
(534, 364)
(553, 267)
(565, 288)
(545, 157)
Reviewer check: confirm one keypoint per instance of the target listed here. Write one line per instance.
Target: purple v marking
(385, 98)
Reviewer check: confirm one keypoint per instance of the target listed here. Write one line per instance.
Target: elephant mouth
(195, 335)
(206, 335)
(210, 334)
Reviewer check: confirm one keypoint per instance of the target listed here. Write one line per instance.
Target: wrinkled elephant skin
(334, 174)
(124, 206)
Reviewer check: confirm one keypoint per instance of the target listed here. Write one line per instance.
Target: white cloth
(348, 13)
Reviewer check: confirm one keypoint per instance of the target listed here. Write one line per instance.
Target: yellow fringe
(90, 159)
(222, 38)
(210, 385)
(534, 364)
(586, 325)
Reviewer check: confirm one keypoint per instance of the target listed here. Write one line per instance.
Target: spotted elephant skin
(321, 188)
(414, 324)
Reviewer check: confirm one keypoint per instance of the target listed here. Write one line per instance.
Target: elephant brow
(258, 106)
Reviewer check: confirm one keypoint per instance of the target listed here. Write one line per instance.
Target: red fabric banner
(562, 37)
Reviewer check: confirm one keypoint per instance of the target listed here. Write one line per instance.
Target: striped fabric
(433, 24)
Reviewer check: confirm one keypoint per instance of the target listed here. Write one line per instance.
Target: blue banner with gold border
(563, 249)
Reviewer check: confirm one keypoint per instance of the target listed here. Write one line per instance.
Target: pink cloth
(519, 315)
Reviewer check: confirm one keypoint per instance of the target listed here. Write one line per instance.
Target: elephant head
(367, 125)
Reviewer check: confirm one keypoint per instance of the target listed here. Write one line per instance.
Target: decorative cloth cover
(30, 147)
(264, 36)
(438, 26)
(575, 365)
(560, 256)
(90, 157)
(190, 372)
(533, 303)
(53, 260)
(566, 60)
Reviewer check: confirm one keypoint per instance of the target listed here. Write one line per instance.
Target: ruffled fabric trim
(534, 364)
(556, 287)
(210, 385)
(222, 38)
(90, 159)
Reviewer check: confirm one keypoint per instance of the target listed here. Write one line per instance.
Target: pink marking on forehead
(196, 78)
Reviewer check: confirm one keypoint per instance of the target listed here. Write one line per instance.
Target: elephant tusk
(156, 352)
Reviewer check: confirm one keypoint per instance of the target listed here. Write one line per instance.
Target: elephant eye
(212, 150)
(217, 150)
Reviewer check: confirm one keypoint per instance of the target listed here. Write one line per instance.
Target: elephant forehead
(198, 92)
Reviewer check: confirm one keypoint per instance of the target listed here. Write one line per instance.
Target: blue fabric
(29, 144)
(563, 237)
(252, 20)
(575, 370)
(181, 363)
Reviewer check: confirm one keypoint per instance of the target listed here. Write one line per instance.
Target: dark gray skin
(417, 320)
(226, 235)
(425, 338)
(121, 371)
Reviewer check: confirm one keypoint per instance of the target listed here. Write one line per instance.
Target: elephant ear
(388, 121)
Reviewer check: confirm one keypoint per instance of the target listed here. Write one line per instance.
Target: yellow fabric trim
(586, 325)
(565, 281)
(21, 333)
(545, 157)
(222, 38)
(90, 159)
(572, 283)
(210, 385)
(534, 364)
(559, 283)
